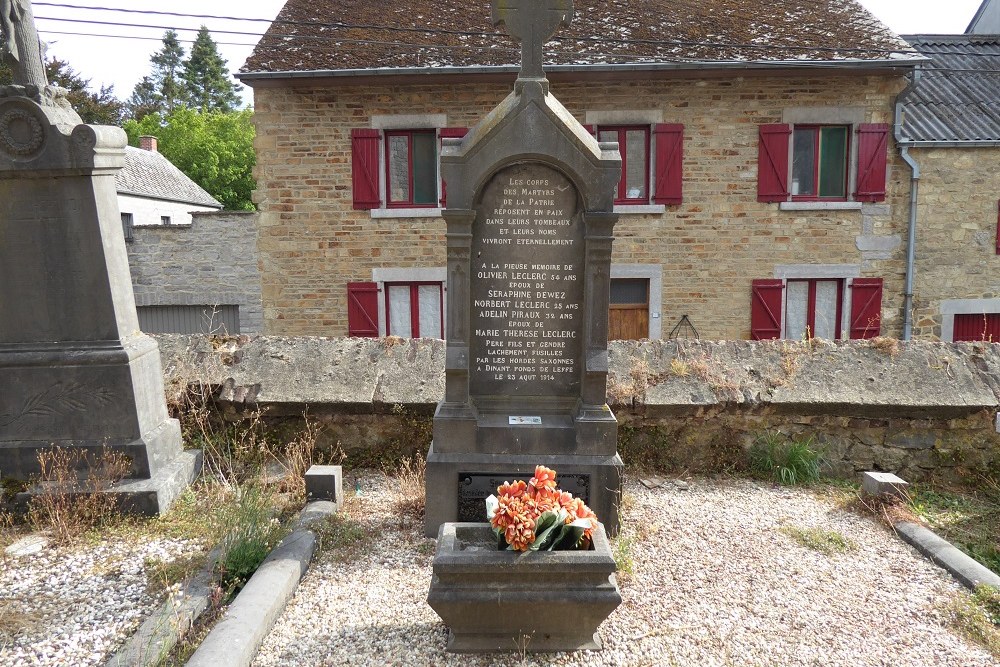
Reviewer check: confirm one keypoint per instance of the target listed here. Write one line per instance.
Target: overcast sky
(123, 62)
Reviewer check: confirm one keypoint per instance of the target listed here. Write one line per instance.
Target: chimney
(147, 143)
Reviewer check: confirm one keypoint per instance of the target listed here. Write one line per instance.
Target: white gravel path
(715, 584)
(73, 607)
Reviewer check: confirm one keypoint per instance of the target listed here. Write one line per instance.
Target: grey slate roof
(310, 36)
(958, 95)
(149, 174)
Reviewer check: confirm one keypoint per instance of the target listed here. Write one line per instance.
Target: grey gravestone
(74, 369)
(530, 227)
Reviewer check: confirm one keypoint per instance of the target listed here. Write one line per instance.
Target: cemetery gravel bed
(715, 582)
(76, 605)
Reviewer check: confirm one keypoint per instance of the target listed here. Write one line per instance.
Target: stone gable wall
(956, 232)
(710, 247)
(212, 261)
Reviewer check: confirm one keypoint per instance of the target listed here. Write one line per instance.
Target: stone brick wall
(923, 410)
(956, 233)
(710, 247)
(212, 261)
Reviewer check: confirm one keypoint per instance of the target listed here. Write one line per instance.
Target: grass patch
(253, 532)
(408, 490)
(977, 617)
(164, 575)
(621, 550)
(341, 535)
(828, 542)
(970, 520)
(788, 462)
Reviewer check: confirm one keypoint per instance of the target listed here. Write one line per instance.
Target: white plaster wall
(149, 211)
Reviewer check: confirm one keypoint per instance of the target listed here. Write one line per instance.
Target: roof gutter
(479, 70)
(911, 237)
(955, 143)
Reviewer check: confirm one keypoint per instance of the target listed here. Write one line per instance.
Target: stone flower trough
(495, 600)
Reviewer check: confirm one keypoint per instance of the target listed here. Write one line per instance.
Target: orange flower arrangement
(538, 516)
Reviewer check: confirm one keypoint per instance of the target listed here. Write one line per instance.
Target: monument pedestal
(75, 371)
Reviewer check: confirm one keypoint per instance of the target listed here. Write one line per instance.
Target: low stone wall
(922, 410)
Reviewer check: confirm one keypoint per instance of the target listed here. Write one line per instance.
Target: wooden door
(628, 317)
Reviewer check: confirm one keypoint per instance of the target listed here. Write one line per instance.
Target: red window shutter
(973, 328)
(765, 309)
(998, 228)
(772, 163)
(591, 129)
(450, 133)
(669, 163)
(364, 169)
(866, 308)
(362, 310)
(873, 149)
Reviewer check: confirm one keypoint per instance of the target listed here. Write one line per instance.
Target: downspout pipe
(911, 236)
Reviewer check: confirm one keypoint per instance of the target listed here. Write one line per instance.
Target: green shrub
(785, 461)
(253, 532)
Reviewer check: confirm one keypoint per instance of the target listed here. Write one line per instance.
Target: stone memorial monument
(530, 226)
(75, 371)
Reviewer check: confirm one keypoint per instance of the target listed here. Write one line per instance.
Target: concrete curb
(964, 568)
(159, 634)
(234, 641)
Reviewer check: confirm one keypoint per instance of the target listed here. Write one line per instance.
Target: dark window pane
(424, 168)
(630, 291)
(833, 162)
(804, 162)
(399, 168)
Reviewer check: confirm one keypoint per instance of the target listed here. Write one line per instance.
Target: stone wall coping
(879, 379)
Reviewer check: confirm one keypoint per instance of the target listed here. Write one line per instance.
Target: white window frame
(410, 275)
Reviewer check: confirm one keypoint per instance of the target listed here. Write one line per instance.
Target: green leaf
(547, 527)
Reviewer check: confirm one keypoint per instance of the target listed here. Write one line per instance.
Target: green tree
(215, 150)
(166, 80)
(209, 87)
(144, 100)
(96, 108)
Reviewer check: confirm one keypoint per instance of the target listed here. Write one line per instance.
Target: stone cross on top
(532, 23)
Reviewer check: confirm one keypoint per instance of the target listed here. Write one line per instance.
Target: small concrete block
(325, 483)
(653, 482)
(883, 484)
(27, 546)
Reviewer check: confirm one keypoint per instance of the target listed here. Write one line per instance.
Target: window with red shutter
(669, 181)
(772, 163)
(977, 327)
(866, 308)
(633, 146)
(450, 133)
(873, 148)
(364, 169)
(362, 310)
(765, 309)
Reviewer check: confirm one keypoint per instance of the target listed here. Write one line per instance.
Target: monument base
(148, 497)
(451, 475)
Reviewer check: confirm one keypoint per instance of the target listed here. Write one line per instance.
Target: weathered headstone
(74, 369)
(530, 227)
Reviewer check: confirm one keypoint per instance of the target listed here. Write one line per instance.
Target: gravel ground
(715, 583)
(76, 606)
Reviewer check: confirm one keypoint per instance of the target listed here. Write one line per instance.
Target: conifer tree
(167, 78)
(144, 100)
(206, 76)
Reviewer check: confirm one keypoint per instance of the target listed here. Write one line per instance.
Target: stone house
(193, 266)
(763, 193)
(950, 130)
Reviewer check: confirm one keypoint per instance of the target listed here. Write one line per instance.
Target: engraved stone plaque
(475, 488)
(527, 285)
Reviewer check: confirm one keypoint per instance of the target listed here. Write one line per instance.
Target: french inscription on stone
(527, 285)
